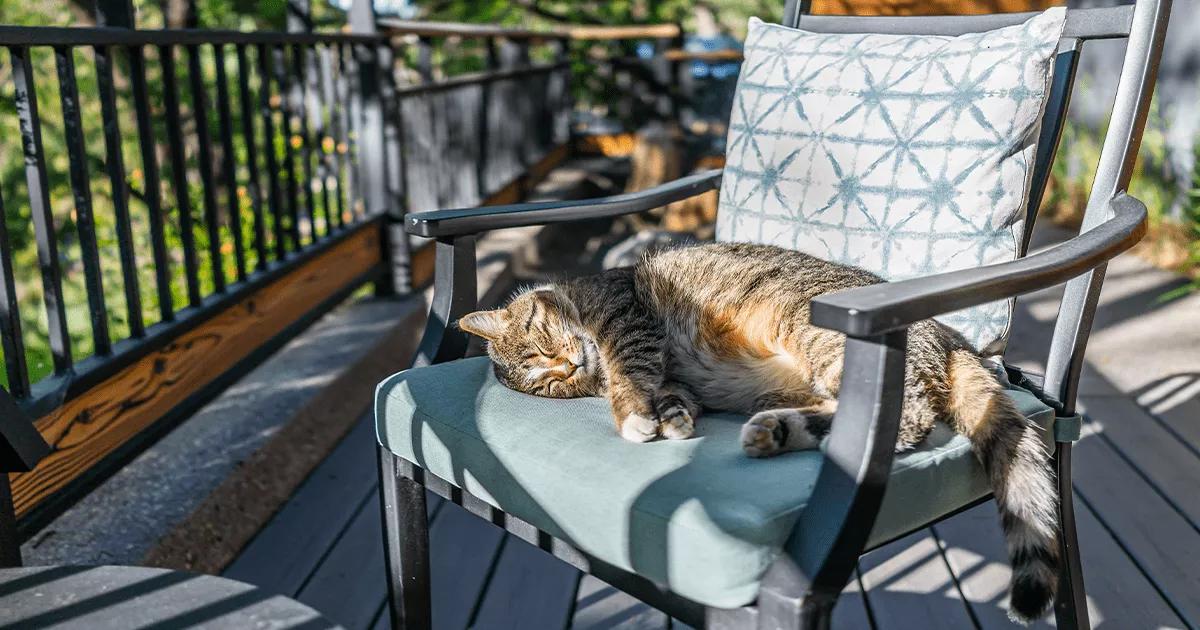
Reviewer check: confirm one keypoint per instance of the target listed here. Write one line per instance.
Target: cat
(726, 326)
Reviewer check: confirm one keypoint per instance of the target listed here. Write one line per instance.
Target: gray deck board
(850, 612)
(462, 551)
(1168, 464)
(382, 620)
(1175, 401)
(908, 585)
(350, 584)
(313, 518)
(600, 606)
(1119, 596)
(1161, 542)
(529, 589)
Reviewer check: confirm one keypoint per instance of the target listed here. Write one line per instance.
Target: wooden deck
(1137, 470)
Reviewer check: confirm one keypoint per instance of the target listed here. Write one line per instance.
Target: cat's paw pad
(677, 424)
(774, 431)
(763, 435)
(638, 428)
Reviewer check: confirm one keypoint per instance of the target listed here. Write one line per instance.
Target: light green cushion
(696, 515)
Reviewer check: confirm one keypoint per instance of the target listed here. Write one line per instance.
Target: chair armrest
(880, 308)
(462, 221)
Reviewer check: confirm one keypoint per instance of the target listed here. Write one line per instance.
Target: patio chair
(117, 597)
(693, 527)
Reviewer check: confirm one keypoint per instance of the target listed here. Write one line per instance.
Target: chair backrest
(1143, 24)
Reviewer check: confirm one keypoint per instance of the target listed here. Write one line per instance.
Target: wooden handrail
(396, 27)
(703, 55)
(636, 31)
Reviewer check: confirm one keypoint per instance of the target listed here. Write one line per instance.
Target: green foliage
(1074, 170)
(1192, 211)
(244, 14)
(731, 15)
(1172, 215)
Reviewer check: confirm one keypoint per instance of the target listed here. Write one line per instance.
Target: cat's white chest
(723, 382)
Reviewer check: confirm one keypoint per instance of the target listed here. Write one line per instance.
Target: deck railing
(226, 188)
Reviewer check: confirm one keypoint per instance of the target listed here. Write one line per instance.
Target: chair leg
(817, 614)
(1070, 608)
(779, 609)
(406, 541)
(10, 540)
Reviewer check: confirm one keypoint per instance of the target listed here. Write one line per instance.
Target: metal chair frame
(801, 587)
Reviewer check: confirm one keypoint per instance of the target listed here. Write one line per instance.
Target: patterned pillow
(904, 155)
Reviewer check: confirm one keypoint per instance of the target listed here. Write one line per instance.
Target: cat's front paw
(638, 428)
(676, 423)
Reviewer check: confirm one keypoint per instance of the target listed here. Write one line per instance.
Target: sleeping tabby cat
(726, 326)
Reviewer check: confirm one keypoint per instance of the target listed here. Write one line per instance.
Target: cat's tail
(1015, 458)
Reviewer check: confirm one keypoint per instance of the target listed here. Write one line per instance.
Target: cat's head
(538, 345)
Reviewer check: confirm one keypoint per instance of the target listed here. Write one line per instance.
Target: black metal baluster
(289, 155)
(228, 172)
(252, 186)
(153, 185)
(319, 114)
(298, 109)
(350, 109)
(393, 140)
(179, 172)
(85, 222)
(11, 340)
(115, 161)
(275, 194)
(39, 205)
(492, 63)
(205, 166)
(332, 158)
(153, 192)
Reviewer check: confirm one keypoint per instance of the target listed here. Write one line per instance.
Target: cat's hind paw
(775, 431)
(762, 436)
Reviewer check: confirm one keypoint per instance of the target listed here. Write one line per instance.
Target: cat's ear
(556, 298)
(487, 324)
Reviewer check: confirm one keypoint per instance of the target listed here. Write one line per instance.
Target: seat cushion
(697, 515)
(902, 154)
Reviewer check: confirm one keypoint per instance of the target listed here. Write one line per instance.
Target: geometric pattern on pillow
(904, 155)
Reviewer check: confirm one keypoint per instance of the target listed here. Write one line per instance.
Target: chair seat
(696, 515)
(116, 597)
